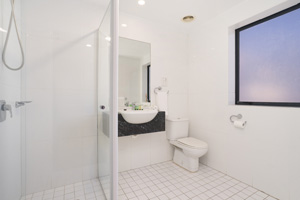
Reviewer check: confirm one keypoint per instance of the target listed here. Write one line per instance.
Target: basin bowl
(138, 116)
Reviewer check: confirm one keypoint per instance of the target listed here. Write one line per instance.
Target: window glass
(268, 60)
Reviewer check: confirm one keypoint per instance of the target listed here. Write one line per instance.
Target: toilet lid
(193, 142)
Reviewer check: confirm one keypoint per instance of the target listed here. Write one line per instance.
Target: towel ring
(159, 89)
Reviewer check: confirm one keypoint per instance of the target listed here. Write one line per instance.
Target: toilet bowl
(188, 150)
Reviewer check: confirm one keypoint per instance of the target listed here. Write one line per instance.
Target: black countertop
(156, 125)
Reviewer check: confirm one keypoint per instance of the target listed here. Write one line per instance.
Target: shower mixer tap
(7, 107)
(3, 108)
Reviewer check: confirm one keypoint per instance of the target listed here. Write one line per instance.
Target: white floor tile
(159, 182)
(169, 181)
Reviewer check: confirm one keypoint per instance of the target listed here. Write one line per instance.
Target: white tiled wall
(10, 130)
(265, 153)
(143, 150)
(61, 123)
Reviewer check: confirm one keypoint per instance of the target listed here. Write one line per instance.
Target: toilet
(188, 150)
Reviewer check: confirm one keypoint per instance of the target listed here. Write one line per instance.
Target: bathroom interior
(149, 99)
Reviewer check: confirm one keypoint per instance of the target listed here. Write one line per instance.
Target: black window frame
(237, 61)
(148, 83)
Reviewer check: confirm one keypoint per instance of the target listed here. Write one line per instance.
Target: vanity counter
(156, 125)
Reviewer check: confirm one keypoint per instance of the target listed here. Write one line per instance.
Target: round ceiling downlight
(141, 2)
(188, 18)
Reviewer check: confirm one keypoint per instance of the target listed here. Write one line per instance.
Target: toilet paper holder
(239, 116)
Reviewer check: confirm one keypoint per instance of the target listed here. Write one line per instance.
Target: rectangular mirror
(134, 71)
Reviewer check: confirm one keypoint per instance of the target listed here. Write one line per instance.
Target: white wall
(266, 153)
(10, 91)
(61, 123)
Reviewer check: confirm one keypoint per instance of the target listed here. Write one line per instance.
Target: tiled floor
(158, 182)
(87, 190)
(169, 181)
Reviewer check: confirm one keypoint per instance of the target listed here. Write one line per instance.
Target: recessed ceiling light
(88, 45)
(3, 30)
(141, 2)
(188, 18)
(124, 25)
(108, 38)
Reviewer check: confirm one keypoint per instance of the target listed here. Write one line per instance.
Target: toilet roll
(239, 124)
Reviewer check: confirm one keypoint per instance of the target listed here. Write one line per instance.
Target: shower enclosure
(66, 138)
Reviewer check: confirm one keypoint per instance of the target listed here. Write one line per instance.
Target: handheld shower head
(11, 20)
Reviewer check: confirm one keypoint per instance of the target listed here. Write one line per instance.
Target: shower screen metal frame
(108, 53)
(114, 84)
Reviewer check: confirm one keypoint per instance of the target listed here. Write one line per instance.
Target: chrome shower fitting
(11, 21)
(21, 103)
(3, 108)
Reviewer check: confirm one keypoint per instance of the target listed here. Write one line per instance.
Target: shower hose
(12, 19)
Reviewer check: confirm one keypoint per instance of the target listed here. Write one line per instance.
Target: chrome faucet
(126, 103)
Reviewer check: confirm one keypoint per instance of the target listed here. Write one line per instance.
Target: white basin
(138, 116)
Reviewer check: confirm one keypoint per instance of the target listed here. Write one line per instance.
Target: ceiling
(172, 11)
(86, 15)
(64, 16)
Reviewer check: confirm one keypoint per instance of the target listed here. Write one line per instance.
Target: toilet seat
(192, 143)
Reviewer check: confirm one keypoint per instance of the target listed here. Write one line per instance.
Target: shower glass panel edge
(107, 101)
(115, 75)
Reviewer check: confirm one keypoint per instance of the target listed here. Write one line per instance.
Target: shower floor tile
(86, 190)
(169, 181)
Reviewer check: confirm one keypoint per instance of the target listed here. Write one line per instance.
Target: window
(268, 60)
